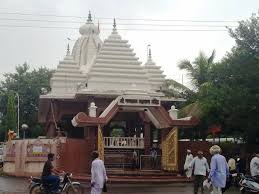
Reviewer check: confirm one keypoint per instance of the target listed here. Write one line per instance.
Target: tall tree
(199, 70)
(172, 88)
(11, 122)
(28, 84)
(232, 95)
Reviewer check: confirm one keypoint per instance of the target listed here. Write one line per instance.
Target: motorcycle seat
(252, 178)
(36, 179)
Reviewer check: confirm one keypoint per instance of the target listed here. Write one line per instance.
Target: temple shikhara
(103, 98)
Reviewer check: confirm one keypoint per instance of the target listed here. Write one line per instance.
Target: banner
(100, 143)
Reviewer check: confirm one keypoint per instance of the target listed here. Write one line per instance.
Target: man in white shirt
(200, 165)
(98, 174)
(254, 166)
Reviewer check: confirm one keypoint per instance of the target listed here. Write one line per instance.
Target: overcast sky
(46, 46)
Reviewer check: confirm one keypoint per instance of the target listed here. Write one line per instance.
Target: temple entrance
(130, 142)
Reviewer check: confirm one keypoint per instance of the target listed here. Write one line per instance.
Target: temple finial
(149, 52)
(89, 17)
(68, 49)
(114, 24)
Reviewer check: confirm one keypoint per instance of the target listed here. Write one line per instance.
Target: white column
(173, 112)
(92, 109)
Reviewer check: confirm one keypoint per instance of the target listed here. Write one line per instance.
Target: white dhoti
(99, 176)
(188, 169)
(216, 190)
(96, 190)
(188, 172)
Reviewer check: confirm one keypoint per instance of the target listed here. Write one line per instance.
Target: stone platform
(128, 177)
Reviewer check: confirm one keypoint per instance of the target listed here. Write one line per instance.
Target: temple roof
(154, 72)
(117, 67)
(109, 67)
(67, 76)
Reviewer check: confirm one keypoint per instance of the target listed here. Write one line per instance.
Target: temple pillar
(147, 136)
(92, 132)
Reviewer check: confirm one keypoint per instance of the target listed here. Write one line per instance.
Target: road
(10, 185)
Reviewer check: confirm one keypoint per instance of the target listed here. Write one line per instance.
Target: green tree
(199, 70)
(28, 84)
(200, 74)
(11, 122)
(172, 88)
(231, 97)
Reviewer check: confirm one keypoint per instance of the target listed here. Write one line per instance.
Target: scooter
(38, 186)
(248, 184)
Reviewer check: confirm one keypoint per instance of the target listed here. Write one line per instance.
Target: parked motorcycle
(38, 186)
(248, 184)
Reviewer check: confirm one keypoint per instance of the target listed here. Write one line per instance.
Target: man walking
(200, 165)
(219, 170)
(188, 160)
(98, 174)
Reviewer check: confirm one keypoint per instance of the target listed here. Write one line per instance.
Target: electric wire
(122, 29)
(118, 18)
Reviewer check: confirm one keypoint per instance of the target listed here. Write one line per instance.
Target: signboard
(37, 149)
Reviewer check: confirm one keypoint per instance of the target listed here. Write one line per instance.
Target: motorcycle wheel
(75, 189)
(36, 189)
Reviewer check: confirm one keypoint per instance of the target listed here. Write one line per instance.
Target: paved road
(10, 185)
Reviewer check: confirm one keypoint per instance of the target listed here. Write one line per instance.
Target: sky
(46, 46)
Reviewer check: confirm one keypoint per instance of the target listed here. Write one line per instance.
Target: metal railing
(124, 142)
(147, 163)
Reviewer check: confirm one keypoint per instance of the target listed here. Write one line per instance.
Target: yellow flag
(100, 143)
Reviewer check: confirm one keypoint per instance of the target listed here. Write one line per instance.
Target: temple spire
(114, 24)
(149, 53)
(68, 50)
(149, 56)
(89, 17)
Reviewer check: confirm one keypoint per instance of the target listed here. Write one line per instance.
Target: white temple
(109, 67)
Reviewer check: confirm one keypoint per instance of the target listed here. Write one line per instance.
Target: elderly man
(200, 165)
(98, 173)
(218, 170)
(188, 160)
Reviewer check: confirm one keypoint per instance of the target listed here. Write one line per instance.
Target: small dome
(89, 27)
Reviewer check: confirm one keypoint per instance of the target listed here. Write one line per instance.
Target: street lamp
(24, 128)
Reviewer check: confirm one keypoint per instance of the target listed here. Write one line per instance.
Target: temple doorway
(129, 141)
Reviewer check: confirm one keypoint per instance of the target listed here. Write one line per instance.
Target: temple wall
(75, 156)
(27, 157)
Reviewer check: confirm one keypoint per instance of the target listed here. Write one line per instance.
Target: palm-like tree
(199, 70)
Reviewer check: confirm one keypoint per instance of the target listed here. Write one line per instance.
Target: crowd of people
(219, 171)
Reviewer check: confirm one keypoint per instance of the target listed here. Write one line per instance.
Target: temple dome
(87, 45)
(88, 28)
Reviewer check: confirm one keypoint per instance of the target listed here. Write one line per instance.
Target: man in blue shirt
(48, 174)
(219, 170)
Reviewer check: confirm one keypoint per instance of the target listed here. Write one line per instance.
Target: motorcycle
(248, 184)
(38, 186)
